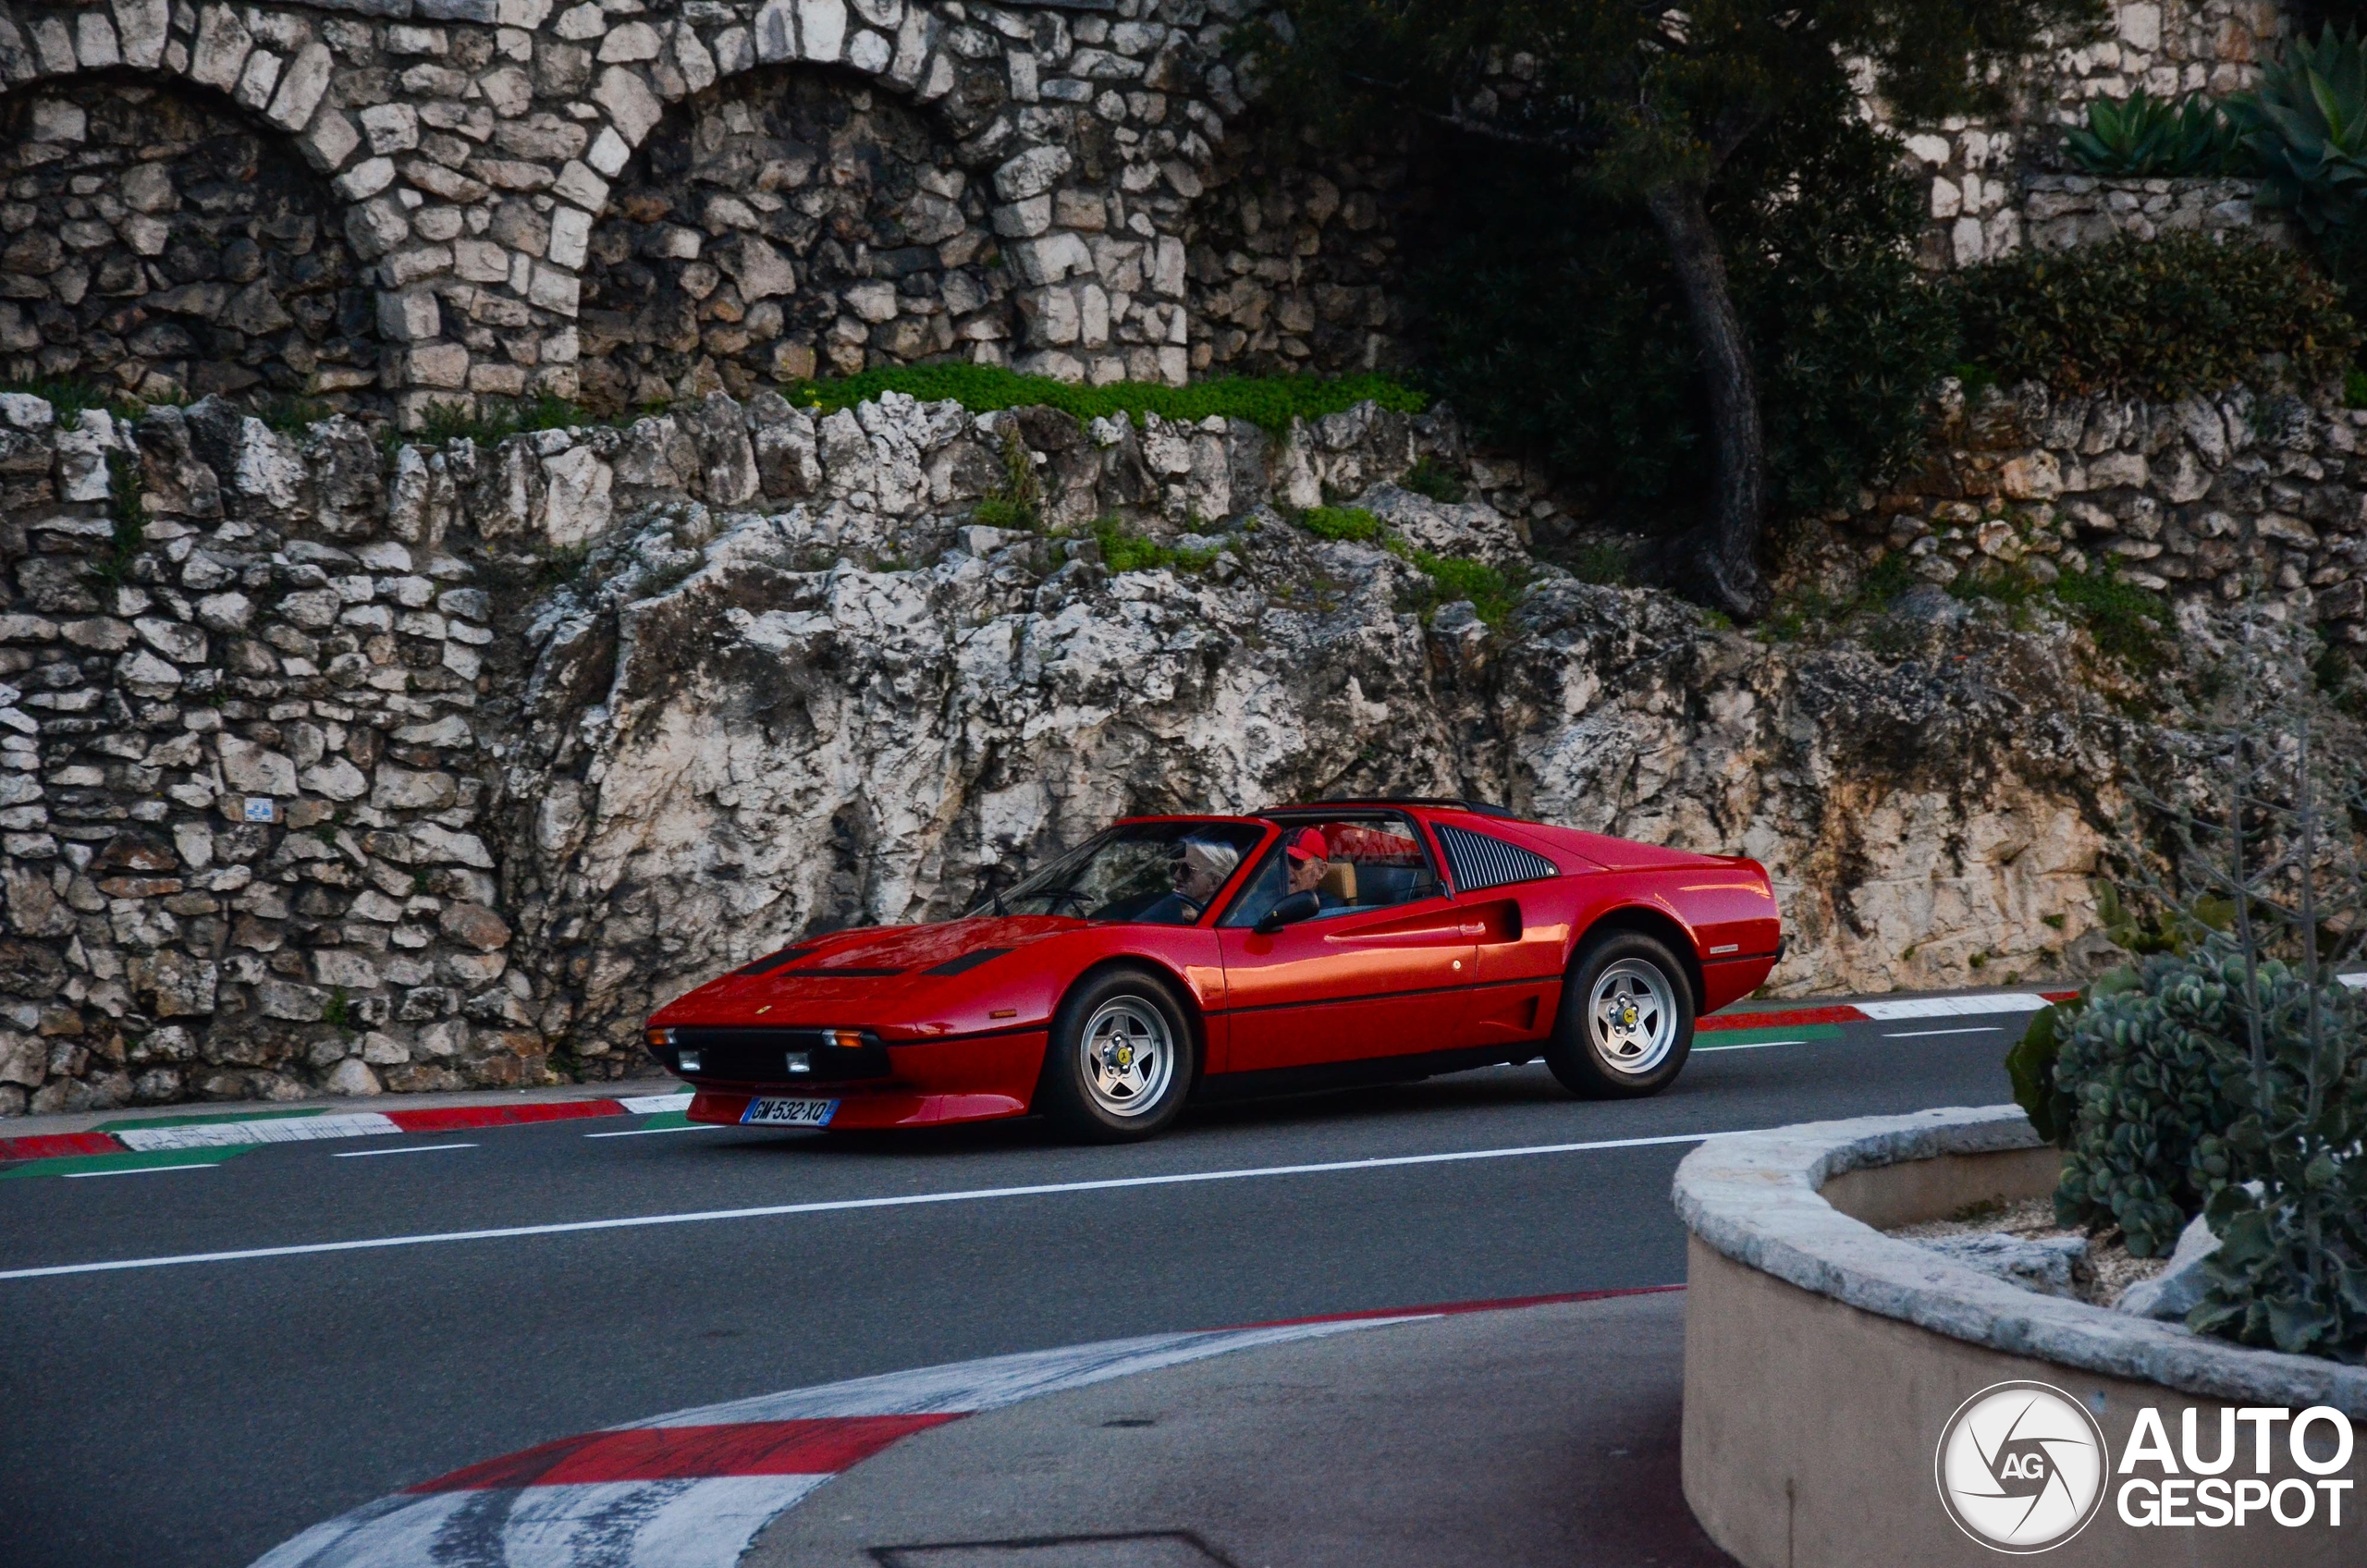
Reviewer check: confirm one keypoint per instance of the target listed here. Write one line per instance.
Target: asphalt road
(198, 1414)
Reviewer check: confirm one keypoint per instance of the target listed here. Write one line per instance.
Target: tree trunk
(1717, 559)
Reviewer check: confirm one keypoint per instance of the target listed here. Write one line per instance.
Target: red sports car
(1174, 957)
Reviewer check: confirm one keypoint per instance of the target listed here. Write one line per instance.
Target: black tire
(1590, 1059)
(1129, 1010)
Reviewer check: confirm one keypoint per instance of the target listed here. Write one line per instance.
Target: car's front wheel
(1119, 1059)
(1625, 1024)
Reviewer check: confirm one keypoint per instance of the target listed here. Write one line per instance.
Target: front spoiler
(877, 1109)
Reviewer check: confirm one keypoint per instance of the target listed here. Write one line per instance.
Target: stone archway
(787, 221)
(155, 242)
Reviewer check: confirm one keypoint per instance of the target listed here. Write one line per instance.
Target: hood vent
(967, 962)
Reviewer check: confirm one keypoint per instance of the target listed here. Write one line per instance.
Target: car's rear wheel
(1119, 1059)
(1625, 1024)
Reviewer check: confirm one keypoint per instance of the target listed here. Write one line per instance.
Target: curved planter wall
(1822, 1359)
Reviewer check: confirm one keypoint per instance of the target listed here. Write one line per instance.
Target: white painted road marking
(645, 1131)
(136, 1170)
(1927, 1034)
(265, 1130)
(1748, 1045)
(1952, 1007)
(420, 1148)
(834, 1206)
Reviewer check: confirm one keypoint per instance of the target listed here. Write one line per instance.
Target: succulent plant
(2146, 137)
(2306, 127)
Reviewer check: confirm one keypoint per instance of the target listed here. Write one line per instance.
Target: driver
(1198, 867)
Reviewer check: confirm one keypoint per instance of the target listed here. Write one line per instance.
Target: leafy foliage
(2306, 124)
(1342, 522)
(1556, 324)
(2291, 1268)
(1123, 550)
(1270, 402)
(495, 419)
(2145, 137)
(2128, 623)
(2232, 1076)
(2142, 1073)
(1018, 501)
(1430, 477)
(2161, 318)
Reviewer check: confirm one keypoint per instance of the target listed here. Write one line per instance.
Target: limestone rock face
(846, 712)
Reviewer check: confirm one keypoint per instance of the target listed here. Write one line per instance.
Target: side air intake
(1479, 861)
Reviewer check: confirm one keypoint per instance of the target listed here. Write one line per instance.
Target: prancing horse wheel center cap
(1125, 1057)
(1627, 1016)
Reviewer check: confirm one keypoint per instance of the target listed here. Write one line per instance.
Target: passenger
(1308, 860)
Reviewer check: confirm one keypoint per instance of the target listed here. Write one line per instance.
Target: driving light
(660, 1037)
(687, 1062)
(801, 1062)
(845, 1039)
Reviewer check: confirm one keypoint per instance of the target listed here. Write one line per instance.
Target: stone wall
(2202, 500)
(465, 151)
(1992, 192)
(157, 242)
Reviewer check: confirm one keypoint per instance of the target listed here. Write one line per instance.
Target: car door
(1511, 901)
(1379, 973)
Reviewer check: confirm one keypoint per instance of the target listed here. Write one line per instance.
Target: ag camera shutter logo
(2021, 1467)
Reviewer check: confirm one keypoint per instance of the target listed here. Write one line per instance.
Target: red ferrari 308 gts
(1169, 957)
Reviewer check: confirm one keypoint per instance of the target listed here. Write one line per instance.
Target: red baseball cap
(1306, 844)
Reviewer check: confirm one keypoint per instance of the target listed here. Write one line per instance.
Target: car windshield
(1159, 872)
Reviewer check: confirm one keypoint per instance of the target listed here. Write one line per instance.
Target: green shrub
(1270, 402)
(1492, 593)
(1018, 501)
(2160, 318)
(68, 396)
(1430, 477)
(1556, 328)
(2144, 136)
(498, 419)
(2144, 1072)
(1123, 550)
(1351, 523)
(2291, 1268)
(2128, 623)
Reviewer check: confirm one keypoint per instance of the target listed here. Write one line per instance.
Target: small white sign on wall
(261, 808)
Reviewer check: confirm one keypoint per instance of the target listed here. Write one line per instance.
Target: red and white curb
(694, 1488)
(1883, 1011)
(309, 1126)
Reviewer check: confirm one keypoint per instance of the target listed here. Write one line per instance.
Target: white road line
(1952, 1007)
(1927, 1034)
(416, 1148)
(835, 1205)
(1747, 1046)
(136, 1170)
(645, 1131)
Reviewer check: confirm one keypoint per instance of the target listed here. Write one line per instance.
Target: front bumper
(982, 1078)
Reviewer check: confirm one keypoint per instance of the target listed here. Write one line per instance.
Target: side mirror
(1297, 906)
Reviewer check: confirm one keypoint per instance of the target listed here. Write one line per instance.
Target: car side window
(1369, 863)
(1260, 893)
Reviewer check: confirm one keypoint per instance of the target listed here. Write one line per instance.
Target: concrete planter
(1823, 1360)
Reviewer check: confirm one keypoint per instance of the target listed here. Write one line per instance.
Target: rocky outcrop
(331, 766)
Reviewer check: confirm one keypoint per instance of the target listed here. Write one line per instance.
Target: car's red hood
(866, 975)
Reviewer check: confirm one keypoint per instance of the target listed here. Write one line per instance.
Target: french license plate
(787, 1113)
